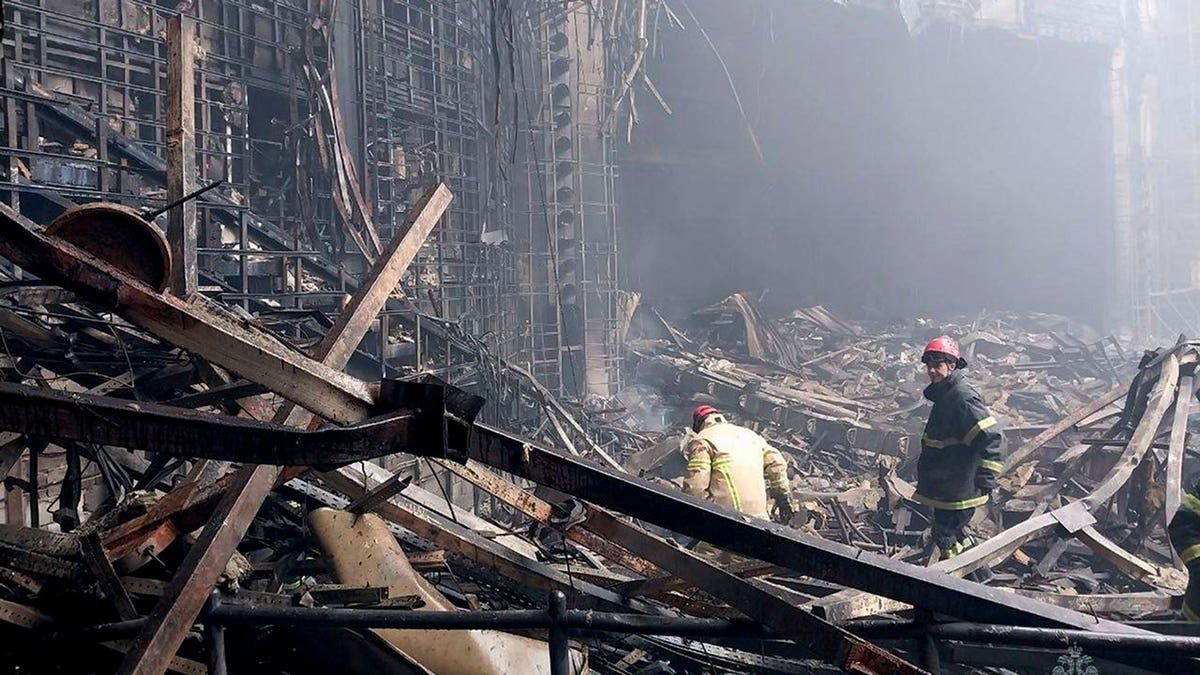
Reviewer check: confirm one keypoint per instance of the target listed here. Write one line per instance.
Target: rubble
(300, 428)
(845, 411)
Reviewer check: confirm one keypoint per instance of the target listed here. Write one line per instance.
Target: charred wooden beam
(543, 512)
(165, 429)
(806, 554)
(1175, 449)
(1065, 424)
(171, 619)
(470, 545)
(110, 583)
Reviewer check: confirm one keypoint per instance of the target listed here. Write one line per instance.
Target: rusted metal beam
(197, 324)
(543, 512)
(172, 617)
(165, 429)
(454, 538)
(181, 152)
(806, 554)
(189, 589)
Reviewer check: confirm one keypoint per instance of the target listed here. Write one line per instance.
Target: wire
(445, 494)
(128, 363)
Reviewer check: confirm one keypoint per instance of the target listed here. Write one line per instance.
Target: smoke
(944, 173)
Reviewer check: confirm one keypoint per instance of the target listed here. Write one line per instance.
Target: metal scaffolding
(568, 234)
(84, 120)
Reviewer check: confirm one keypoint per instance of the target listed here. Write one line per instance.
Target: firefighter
(1184, 532)
(960, 450)
(735, 467)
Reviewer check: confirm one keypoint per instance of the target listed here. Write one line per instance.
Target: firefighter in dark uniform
(960, 450)
(1184, 532)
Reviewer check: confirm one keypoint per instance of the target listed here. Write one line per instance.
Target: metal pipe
(151, 214)
(560, 652)
(1053, 637)
(229, 613)
(927, 647)
(214, 638)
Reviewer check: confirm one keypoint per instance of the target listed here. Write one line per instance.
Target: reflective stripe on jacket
(960, 451)
(1184, 532)
(734, 467)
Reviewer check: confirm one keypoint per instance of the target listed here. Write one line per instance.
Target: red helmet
(947, 348)
(700, 413)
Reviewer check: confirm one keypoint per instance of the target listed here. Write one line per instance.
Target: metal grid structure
(1170, 196)
(416, 70)
(568, 237)
(424, 69)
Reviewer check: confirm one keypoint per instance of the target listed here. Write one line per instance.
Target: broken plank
(197, 324)
(1175, 448)
(1062, 426)
(1120, 558)
(543, 512)
(666, 583)
(1160, 398)
(1129, 604)
(167, 627)
(805, 554)
(110, 583)
(454, 538)
(381, 493)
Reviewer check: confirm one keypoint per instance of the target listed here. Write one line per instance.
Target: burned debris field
(635, 337)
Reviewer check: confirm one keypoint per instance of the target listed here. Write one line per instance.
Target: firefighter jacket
(960, 451)
(734, 467)
(1184, 532)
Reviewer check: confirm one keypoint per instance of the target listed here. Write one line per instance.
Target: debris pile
(844, 402)
(204, 518)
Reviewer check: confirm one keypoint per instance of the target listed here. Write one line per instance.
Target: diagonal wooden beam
(93, 554)
(197, 324)
(542, 511)
(1062, 426)
(1183, 406)
(174, 614)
